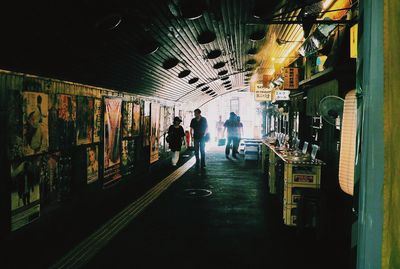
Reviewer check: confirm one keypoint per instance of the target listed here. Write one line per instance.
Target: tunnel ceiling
(176, 50)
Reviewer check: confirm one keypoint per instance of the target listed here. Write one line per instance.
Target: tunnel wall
(64, 141)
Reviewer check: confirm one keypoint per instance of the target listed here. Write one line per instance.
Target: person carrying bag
(175, 137)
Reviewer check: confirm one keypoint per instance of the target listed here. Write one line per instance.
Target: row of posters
(47, 126)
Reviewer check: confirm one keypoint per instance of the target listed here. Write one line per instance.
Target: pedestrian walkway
(221, 217)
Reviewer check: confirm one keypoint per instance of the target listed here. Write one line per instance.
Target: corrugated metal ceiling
(155, 49)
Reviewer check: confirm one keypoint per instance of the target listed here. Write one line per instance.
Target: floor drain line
(89, 247)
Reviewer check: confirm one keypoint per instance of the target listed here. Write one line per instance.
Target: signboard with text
(282, 95)
(291, 78)
(262, 94)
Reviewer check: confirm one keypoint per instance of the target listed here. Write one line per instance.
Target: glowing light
(327, 3)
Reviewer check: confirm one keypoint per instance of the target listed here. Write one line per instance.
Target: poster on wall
(84, 120)
(136, 119)
(55, 178)
(146, 124)
(66, 120)
(112, 140)
(25, 193)
(92, 164)
(97, 120)
(127, 119)
(54, 140)
(35, 122)
(127, 157)
(154, 132)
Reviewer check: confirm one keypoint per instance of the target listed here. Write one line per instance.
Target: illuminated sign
(282, 95)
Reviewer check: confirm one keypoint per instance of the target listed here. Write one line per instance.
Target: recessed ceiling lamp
(206, 37)
(208, 91)
(214, 54)
(251, 62)
(205, 89)
(228, 85)
(226, 82)
(193, 80)
(248, 75)
(225, 78)
(147, 46)
(250, 68)
(200, 85)
(219, 65)
(170, 63)
(229, 88)
(184, 73)
(192, 9)
(109, 22)
(222, 73)
(257, 36)
(252, 51)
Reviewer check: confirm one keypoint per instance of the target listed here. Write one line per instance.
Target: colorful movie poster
(127, 119)
(97, 121)
(66, 120)
(127, 157)
(84, 120)
(136, 119)
(146, 124)
(112, 139)
(92, 157)
(154, 132)
(35, 122)
(54, 139)
(25, 192)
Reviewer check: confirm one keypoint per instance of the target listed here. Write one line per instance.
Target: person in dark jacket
(231, 125)
(198, 131)
(175, 138)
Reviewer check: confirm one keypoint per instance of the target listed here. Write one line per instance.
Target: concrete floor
(238, 226)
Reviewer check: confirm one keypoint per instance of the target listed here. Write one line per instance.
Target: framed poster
(112, 139)
(66, 126)
(84, 120)
(54, 139)
(97, 120)
(35, 123)
(127, 157)
(127, 119)
(154, 132)
(25, 191)
(92, 164)
(146, 124)
(136, 119)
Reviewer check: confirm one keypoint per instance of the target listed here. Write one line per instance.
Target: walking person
(198, 130)
(175, 136)
(232, 135)
(239, 133)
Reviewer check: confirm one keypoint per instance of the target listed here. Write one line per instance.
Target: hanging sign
(291, 78)
(353, 41)
(282, 95)
(262, 94)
